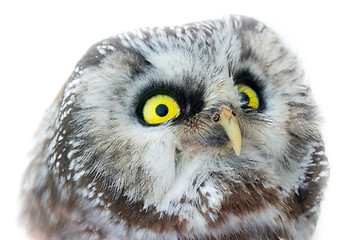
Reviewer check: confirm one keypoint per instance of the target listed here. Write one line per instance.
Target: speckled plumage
(100, 173)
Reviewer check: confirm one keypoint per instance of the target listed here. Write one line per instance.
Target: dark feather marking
(310, 194)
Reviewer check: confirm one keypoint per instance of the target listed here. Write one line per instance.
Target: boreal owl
(201, 131)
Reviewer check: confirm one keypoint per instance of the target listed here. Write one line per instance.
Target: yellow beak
(231, 127)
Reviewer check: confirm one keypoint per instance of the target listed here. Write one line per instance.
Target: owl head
(206, 121)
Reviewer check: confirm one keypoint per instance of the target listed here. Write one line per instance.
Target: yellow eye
(160, 108)
(249, 96)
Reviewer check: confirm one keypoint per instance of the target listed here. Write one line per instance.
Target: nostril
(216, 117)
(177, 151)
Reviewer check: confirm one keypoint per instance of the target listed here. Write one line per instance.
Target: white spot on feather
(320, 153)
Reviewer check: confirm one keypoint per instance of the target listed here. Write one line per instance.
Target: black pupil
(244, 99)
(162, 110)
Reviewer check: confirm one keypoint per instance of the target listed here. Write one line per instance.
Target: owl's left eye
(249, 96)
(159, 108)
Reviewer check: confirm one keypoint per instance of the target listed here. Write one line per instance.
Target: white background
(41, 41)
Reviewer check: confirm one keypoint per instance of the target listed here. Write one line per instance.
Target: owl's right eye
(159, 108)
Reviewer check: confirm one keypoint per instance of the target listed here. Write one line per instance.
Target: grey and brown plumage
(203, 131)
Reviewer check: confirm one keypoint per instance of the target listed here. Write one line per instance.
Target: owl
(201, 131)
